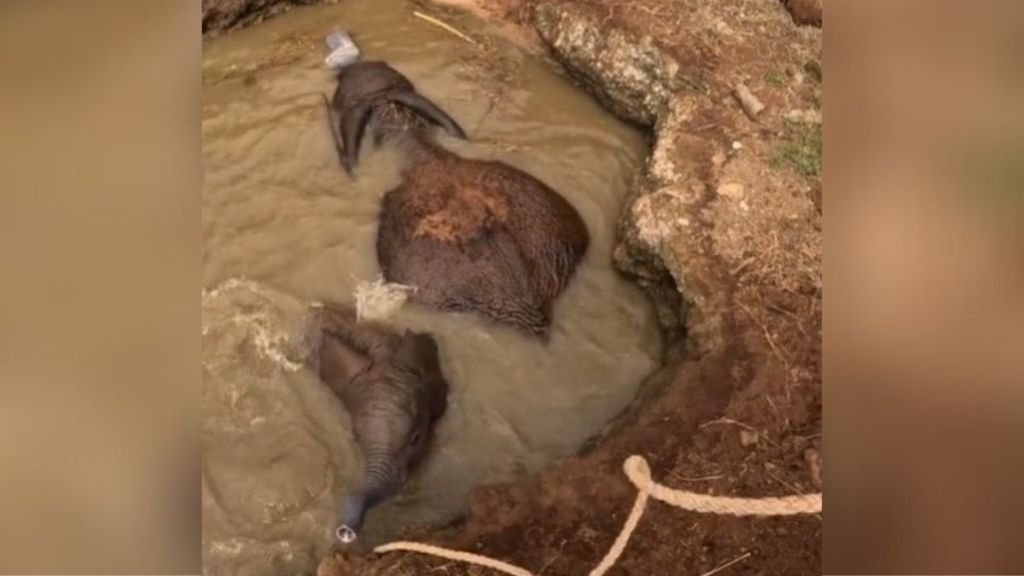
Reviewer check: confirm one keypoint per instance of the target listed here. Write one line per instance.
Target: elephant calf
(470, 235)
(394, 391)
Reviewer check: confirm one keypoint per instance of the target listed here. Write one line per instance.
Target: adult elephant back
(480, 236)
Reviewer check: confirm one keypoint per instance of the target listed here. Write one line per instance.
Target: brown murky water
(279, 212)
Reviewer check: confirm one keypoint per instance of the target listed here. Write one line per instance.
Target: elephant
(470, 235)
(392, 386)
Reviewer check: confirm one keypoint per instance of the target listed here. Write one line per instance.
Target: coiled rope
(639, 473)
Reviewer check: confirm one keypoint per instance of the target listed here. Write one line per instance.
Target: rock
(813, 459)
(630, 75)
(748, 438)
(731, 190)
(810, 116)
(805, 12)
(750, 104)
(225, 15)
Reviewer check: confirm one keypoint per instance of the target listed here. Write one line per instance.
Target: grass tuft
(800, 150)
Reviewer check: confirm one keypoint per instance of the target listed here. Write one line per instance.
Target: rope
(623, 538)
(639, 473)
(454, 555)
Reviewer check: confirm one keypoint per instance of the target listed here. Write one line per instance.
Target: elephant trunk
(382, 477)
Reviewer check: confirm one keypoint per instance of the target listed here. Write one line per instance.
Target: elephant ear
(415, 351)
(427, 109)
(334, 123)
(353, 124)
(339, 363)
(419, 352)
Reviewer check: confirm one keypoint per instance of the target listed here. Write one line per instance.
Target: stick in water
(447, 27)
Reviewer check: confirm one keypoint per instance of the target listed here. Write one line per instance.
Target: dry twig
(760, 433)
(726, 565)
(445, 26)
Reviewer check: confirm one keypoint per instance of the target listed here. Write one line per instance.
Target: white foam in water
(262, 312)
(379, 300)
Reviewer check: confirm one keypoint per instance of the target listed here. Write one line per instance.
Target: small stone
(806, 12)
(736, 145)
(804, 116)
(733, 190)
(748, 438)
(813, 460)
(750, 104)
(744, 206)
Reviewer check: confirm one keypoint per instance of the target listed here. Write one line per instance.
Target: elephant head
(394, 390)
(374, 89)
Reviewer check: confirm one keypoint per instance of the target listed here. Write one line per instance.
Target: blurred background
(99, 305)
(924, 341)
(100, 257)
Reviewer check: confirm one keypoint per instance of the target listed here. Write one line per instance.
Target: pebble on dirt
(751, 105)
(805, 12)
(813, 459)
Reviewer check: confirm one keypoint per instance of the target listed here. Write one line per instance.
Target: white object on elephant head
(343, 50)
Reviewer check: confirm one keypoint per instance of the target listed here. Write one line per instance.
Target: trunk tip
(345, 535)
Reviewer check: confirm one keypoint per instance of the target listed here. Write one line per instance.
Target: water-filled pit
(279, 211)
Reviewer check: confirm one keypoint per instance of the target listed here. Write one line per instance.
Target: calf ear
(420, 105)
(339, 362)
(419, 353)
(353, 124)
(334, 123)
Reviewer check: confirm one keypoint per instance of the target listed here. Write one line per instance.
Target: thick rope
(639, 473)
(623, 538)
(454, 555)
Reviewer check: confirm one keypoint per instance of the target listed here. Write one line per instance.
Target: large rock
(225, 15)
(629, 74)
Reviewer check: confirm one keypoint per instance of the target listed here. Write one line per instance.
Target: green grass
(800, 150)
(775, 78)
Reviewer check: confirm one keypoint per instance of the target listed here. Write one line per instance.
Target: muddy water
(279, 213)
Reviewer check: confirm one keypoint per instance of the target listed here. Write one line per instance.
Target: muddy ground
(724, 230)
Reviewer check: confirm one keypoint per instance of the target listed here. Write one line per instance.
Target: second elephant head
(394, 391)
